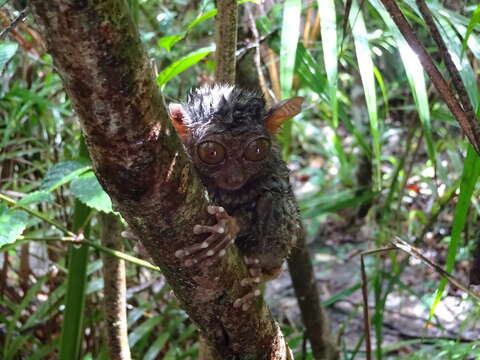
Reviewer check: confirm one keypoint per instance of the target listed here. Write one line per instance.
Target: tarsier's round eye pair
(212, 152)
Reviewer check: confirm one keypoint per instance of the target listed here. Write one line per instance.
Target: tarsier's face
(231, 161)
(228, 132)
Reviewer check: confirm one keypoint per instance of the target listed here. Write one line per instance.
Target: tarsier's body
(229, 136)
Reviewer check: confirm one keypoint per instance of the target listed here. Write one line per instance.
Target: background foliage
(375, 154)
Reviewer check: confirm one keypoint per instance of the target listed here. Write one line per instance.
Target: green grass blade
(474, 20)
(9, 347)
(144, 329)
(466, 71)
(156, 347)
(289, 39)
(71, 336)
(365, 63)
(292, 10)
(72, 328)
(415, 77)
(329, 44)
(471, 172)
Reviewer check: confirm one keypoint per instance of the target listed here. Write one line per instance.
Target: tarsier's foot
(210, 250)
(253, 281)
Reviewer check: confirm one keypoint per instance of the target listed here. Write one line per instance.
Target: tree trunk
(139, 162)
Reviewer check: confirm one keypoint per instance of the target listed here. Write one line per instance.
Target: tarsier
(229, 136)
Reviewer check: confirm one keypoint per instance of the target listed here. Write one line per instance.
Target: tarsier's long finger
(218, 211)
(218, 251)
(194, 248)
(250, 281)
(128, 234)
(218, 228)
(215, 249)
(253, 266)
(245, 301)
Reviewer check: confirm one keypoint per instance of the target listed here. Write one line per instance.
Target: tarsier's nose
(235, 180)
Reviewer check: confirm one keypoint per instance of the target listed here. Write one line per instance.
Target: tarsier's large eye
(257, 149)
(211, 152)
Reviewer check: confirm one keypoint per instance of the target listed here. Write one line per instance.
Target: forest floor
(405, 327)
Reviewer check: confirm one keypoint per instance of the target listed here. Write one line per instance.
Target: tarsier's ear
(177, 117)
(281, 112)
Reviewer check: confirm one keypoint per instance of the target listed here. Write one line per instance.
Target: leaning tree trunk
(140, 163)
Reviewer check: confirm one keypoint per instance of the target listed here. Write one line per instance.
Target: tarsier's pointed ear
(177, 117)
(281, 112)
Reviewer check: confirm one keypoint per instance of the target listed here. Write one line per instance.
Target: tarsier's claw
(210, 250)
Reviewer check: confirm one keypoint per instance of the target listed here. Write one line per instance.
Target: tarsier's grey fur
(264, 206)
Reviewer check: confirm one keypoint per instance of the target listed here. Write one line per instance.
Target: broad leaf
(87, 189)
(7, 50)
(12, 224)
(183, 64)
(36, 197)
(62, 173)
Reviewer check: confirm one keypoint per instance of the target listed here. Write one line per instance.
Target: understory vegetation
(377, 161)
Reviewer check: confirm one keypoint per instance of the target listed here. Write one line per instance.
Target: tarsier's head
(228, 132)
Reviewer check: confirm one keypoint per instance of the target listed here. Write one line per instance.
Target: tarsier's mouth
(232, 183)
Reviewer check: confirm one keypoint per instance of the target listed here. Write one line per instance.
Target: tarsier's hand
(253, 282)
(210, 250)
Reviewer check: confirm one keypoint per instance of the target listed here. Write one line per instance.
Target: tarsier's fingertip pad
(179, 253)
(211, 209)
(237, 303)
(197, 229)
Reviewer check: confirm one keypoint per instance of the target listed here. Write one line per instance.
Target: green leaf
(415, 77)
(12, 224)
(202, 18)
(289, 39)
(183, 64)
(471, 172)
(474, 20)
(36, 197)
(328, 23)
(145, 328)
(62, 173)
(314, 207)
(167, 42)
(7, 50)
(156, 347)
(365, 64)
(87, 189)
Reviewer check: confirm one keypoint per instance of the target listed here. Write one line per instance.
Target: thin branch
(226, 40)
(471, 129)
(257, 58)
(75, 238)
(20, 18)
(412, 251)
(447, 59)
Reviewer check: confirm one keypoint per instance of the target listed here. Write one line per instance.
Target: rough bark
(114, 289)
(314, 318)
(226, 40)
(139, 162)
